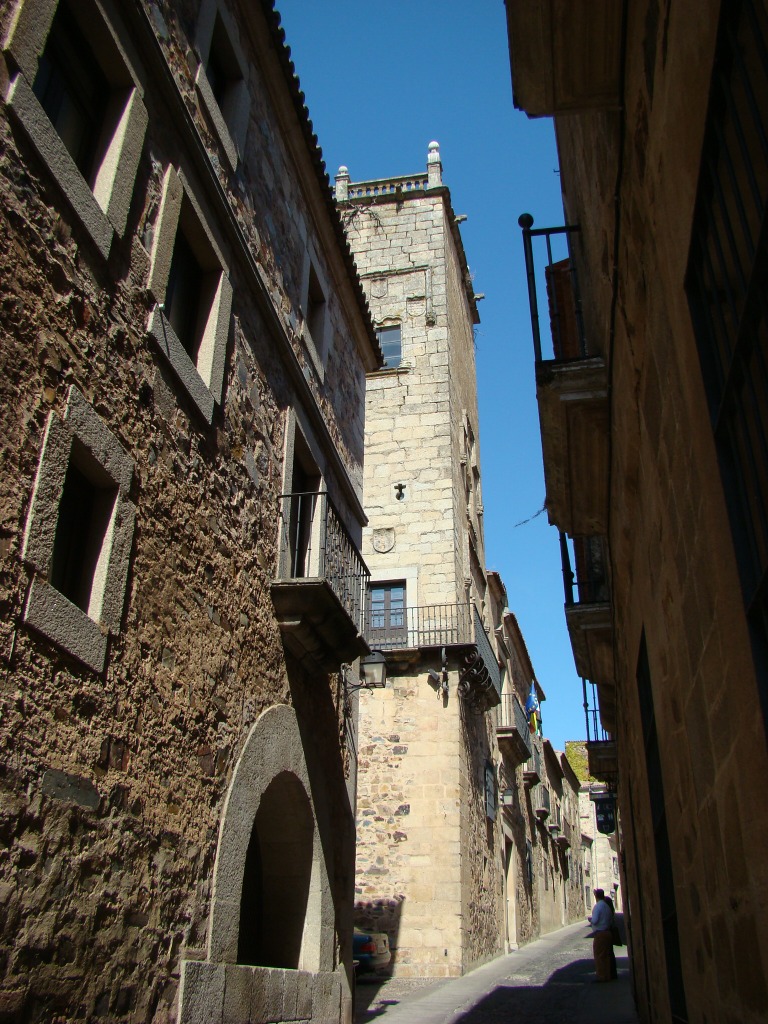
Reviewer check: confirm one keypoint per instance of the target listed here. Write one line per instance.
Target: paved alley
(546, 982)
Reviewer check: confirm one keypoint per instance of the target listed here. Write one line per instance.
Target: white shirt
(601, 916)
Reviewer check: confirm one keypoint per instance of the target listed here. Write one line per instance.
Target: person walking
(602, 940)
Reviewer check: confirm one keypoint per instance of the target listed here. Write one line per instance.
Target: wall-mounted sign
(490, 792)
(605, 814)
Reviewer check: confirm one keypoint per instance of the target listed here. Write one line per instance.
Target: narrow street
(549, 981)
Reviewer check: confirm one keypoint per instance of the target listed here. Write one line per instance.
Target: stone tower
(427, 863)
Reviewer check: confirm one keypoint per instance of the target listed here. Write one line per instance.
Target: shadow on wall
(383, 915)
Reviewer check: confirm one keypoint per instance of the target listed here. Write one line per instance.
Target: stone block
(304, 996)
(290, 995)
(238, 994)
(201, 994)
(326, 997)
(276, 997)
(74, 788)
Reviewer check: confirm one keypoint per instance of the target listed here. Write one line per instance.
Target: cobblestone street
(549, 981)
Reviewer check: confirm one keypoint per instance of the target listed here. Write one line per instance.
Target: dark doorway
(276, 878)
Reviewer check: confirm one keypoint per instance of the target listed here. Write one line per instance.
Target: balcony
(602, 754)
(565, 839)
(541, 802)
(553, 825)
(532, 772)
(512, 730)
(451, 626)
(588, 612)
(565, 56)
(572, 394)
(319, 594)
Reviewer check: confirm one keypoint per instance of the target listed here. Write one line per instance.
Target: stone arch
(268, 812)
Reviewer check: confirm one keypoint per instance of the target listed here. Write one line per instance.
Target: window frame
(388, 631)
(230, 118)
(317, 325)
(83, 634)
(379, 330)
(203, 377)
(101, 207)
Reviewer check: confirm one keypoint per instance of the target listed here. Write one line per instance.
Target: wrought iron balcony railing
(601, 746)
(510, 715)
(444, 625)
(315, 545)
(589, 583)
(512, 730)
(541, 801)
(595, 731)
(562, 292)
(431, 625)
(532, 769)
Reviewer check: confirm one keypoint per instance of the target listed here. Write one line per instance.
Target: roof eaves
(283, 52)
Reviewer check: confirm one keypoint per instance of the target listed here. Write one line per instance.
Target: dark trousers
(602, 950)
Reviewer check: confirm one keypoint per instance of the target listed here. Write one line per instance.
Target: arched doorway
(510, 880)
(276, 877)
(272, 923)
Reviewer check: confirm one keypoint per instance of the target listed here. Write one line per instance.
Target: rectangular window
(79, 533)
(72, 91)
(387, 612)
(316, 311)
(183, 295)
(727, 285)
(222, 67)
(71, 72)
(190, 325)
(390, 343)
(85, 514)
(222, 77)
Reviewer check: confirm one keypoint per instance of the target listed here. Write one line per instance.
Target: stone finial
(342, 184)
(434, 166)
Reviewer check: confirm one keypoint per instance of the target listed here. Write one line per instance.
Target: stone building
(602, 850)
(184, 344)
(540, 839)
(557, 841)
(654, 410)
(428, 868)
(519, 753)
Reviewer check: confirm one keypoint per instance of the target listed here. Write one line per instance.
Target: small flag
(533, 711)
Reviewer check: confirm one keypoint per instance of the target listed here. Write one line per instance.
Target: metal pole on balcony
(525, 220)
(568, 576)
(296, 553)
(586, 705)
(323, 539)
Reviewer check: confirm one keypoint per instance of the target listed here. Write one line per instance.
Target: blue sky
(381, 82)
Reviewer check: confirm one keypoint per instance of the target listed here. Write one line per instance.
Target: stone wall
(675, 580)
(398, 252)
(428, 868)
(409, 841)
(482, 886)
(113, 782)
